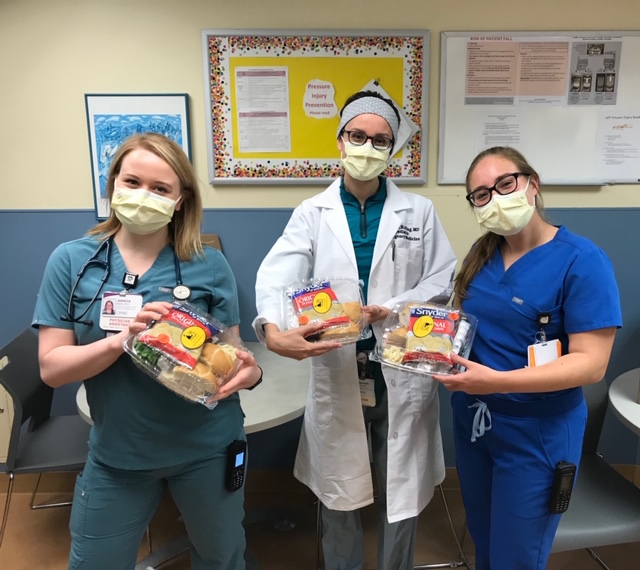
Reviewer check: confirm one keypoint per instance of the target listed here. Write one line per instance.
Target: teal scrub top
(138, 423)
(364, 222)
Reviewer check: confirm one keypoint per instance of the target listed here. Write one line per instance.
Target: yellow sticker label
(322, 302)
(193, 337)
(422, 326)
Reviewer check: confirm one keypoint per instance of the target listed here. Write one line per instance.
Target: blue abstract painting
(111, 130)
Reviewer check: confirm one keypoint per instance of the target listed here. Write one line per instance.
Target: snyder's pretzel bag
(421, 337)
(334, 302)
(187, 351)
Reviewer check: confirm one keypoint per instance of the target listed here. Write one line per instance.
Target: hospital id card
(544, 352)
(365, 380)
(117, 310)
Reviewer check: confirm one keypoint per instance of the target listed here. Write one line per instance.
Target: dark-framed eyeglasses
(379, 142)
(506, 184)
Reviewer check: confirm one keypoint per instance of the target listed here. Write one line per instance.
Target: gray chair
(604, 507)
(38, 442)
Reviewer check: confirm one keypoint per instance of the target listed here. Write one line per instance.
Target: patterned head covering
(373, 105)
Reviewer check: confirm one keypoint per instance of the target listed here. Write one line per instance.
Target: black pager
(236, 461)
(562, 486)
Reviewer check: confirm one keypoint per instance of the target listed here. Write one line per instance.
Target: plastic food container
(420, 337)
(336, 302)
(187, 351)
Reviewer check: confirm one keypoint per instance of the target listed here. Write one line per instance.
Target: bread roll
(200, 370)
(216, 362)
(398, 337)
(353, 309)
(218, 358)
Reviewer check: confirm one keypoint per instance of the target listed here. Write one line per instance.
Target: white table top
(280, 398)
(623, 396)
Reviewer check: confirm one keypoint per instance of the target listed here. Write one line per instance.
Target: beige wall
(52, 52)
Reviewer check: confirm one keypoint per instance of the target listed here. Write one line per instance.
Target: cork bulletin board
(273, 99)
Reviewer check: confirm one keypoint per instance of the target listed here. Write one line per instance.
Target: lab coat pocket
(407, 267)
(322, 397)
(422, 389)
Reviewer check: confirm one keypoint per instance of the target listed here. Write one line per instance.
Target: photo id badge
(365, 379)
(544, 352)
(117, 310)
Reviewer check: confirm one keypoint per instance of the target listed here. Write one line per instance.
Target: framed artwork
(273, 100)
(112, 118)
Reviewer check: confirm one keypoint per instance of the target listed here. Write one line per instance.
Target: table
(280, 398)
(623, 397)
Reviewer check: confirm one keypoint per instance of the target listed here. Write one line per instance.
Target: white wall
(52, 52)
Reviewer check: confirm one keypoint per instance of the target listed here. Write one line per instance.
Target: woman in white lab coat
(362, 227)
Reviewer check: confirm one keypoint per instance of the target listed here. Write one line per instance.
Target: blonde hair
(483, 249)
(184, 227)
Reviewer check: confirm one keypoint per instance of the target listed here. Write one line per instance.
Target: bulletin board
(273, 99)
(567, 100)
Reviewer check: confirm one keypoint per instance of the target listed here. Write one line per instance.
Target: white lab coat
(412, 259)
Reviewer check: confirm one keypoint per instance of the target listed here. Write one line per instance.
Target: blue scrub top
(138, 423)
(569, 277)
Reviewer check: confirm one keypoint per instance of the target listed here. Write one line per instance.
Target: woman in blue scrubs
(548, 308)
(144, 437)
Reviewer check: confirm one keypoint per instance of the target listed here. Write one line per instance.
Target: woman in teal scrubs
(144, 437)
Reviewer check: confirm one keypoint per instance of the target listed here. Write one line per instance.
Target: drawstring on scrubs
(481, 421)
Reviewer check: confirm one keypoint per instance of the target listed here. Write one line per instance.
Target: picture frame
(112, 118)
(273, 99)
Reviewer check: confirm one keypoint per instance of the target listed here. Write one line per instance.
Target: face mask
(506, 215)
(140, 211)
(364, 162)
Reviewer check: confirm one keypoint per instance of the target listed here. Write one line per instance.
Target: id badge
(544, 352)
(365, 379)
(117, 310)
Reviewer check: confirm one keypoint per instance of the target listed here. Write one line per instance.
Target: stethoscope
(180, 292)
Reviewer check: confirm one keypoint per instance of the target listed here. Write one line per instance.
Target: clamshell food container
(187, 351)
(336, 302)
(421, 337)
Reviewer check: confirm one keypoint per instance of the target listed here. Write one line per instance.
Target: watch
(259, 380)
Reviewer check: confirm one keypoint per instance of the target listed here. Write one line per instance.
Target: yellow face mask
(363, 162)
(506, 215)
(140, 211)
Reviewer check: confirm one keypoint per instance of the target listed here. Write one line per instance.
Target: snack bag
(430, 335)
(318, 303)
(336, 303)
(179, 335)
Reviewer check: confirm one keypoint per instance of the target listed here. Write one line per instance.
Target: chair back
(597, 399)
(20, 377)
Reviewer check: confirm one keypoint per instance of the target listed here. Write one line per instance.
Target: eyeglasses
(379, 142)
(506, 184)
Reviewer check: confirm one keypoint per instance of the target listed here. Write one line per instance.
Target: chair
(605, 507)
(38, 443)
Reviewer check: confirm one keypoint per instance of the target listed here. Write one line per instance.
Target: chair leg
(149, 538)
(597, 559)
(463, 562)
(45, 505)
(319, 564)
(7, 504)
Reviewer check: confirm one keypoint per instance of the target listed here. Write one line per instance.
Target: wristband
(259, 380)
